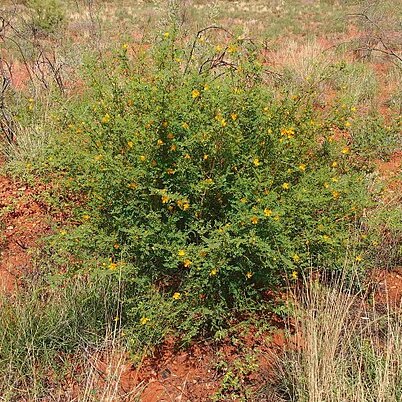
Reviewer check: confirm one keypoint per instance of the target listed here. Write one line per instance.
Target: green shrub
(373, 137)
(47, 15)
(204, 183)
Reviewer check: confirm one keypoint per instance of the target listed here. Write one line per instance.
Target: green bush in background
(47, 15)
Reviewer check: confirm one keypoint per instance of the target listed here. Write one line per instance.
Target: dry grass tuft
(350, 351)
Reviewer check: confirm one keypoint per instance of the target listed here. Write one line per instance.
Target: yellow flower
(326, 185)
(254, 220)
(170, 171)
(86, 217)
(187, 263)
(223, 123)
(326, 237)
(165, 199)
(181, 203)
(125, 46)
(294, 275)
(334, 164)
(277, 218)
(130, 144)
(302, 167)
(166, 34)
(186, 206)
(336, 194)
(233, 116)
(144, 320)
(288, 132)
(195, 93)
(142, 158)
(187, 156)
(345, 150)
(185, 126)
(286, 186)
(213, 272)
(208, 181)
(249, 274)
(206, 87)
(267, 212)
(173, 147)
(181, 253)
(256, 162)
(159, 142)
(176, 296)
(296, 258)
(353, 109)
(218, 48)
(98, 157)
(243, 200)
(164, 124)
(106, 118)
(116, 246)
(334, 179)
(205, 157)
(232, 48)
(348, 124)
(112, 266)
(359, 258)
(133, 186)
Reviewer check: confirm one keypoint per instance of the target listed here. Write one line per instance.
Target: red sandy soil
(389, 171)
(22, 220)
(388, 287)
(192, 374)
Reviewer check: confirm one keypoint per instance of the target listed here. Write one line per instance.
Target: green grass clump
(44, 329)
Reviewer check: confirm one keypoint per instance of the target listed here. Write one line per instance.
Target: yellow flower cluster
(106, 118)
(183, 204)
(288, 132)
(213, 272)
(144, 320)
(221, 120)
(256, 162)
(254, 220)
